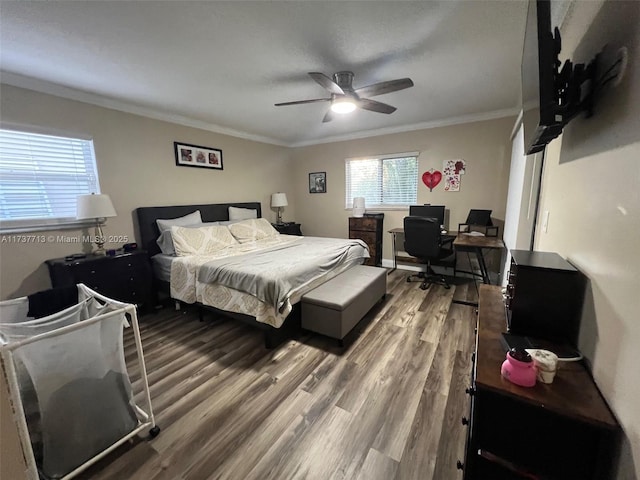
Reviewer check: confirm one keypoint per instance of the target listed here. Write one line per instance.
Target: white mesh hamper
(69, 384)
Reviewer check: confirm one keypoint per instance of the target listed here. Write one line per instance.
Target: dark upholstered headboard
(148, 229)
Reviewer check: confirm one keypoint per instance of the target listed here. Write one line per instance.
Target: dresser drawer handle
(129, 265)
(93, 272)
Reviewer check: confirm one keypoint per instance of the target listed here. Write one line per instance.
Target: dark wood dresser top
(572, 394)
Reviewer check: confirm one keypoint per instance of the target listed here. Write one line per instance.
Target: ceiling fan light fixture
(345, 99)
(343, 106)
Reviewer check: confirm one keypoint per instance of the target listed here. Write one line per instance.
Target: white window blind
(385, 182)
(41, 177)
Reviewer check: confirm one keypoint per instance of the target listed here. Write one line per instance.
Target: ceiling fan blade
(326, 82)
(374, 106)
(300, 102)
(384, 87)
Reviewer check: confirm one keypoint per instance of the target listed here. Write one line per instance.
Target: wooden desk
(403, 258)
(461, 242)
(475, 244)
(563, 430)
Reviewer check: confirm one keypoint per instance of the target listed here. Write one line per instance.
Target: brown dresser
(369, 230)
(563, 430)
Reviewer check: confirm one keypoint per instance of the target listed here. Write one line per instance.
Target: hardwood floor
(386, 406)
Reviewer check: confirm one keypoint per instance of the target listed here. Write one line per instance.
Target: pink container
(518, 368)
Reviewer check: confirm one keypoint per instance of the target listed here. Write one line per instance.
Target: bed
(271, 301)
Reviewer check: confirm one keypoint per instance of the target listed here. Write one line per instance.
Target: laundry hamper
(68, 382)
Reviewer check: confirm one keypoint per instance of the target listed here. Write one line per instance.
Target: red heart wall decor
(432, 178)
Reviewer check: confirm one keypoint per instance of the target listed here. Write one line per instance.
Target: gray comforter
(271, 274)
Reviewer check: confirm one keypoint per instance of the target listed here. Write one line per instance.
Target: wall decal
(454, 167)
(432, 178)
(453, 171)
(452, 183)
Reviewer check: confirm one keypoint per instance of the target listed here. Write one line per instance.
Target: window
(388, 181)
(40, 178)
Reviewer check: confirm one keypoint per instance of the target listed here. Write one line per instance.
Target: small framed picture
(197, 156)
(318, 182)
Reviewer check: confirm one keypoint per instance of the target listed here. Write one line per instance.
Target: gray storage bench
(336, 306)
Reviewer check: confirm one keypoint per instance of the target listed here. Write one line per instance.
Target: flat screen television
(551, 96)
(541, 119)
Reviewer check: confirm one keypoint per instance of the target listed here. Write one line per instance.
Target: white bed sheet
(186, 287)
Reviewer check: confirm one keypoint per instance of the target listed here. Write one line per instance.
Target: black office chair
(423, 240)
(479, 217)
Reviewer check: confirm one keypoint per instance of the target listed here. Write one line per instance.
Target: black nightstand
(290, 228)
(126, 276)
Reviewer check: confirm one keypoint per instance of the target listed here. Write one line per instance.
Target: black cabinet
(545, 294)
(558, 431)
(126, 276)
(290, 228)
(369, 230)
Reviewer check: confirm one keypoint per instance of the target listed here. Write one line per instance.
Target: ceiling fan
(345, 99)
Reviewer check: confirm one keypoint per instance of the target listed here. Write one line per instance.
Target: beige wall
(136, 166)
(485, 146)
(590, 187)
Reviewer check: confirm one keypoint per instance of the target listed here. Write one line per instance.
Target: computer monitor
(430, 211)
(479, 217)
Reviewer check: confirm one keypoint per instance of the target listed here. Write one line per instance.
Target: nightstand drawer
(364, 223)
(367, 237)
(369, 230)
(125, 277)
(288, 228)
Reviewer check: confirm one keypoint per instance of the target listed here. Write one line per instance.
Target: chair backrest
(429, 211)
(479, 217)
(421, 237)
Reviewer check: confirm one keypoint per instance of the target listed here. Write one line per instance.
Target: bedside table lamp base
(97, 207)
(99, 240)
(279, 200)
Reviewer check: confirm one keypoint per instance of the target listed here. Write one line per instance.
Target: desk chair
(423, 240)
(479, 217)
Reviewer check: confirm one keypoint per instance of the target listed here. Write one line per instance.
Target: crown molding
(475, 117)
(516, 125)
(58, 90)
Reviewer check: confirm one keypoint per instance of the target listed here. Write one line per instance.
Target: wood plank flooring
(386, 406)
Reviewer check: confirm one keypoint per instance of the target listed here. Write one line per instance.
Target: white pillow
(252, 229)
(202, 240)
(190, 219)
(165, 240)
(236, 213)
(229, 222)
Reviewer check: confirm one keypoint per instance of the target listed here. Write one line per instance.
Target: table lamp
(97, 207)
(279, 200)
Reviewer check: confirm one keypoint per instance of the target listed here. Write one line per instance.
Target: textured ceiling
(223, 65)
